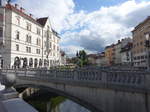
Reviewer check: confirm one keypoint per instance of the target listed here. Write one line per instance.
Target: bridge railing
(94, 77)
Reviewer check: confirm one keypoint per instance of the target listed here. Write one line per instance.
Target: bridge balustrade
(89, 75)
(84, 76)
(126, 78)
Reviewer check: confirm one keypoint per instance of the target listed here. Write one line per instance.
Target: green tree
(82, 58)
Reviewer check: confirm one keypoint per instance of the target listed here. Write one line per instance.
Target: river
(65, 106)
(69, 106)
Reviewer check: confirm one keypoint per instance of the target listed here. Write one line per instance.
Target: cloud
(105, 26)
(72, 50)
(91, 31)
(57, 10)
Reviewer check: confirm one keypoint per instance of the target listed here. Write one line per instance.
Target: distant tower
(3, 2)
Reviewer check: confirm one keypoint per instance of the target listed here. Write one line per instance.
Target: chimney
(16, 6)
(22, 9)
(31, 15)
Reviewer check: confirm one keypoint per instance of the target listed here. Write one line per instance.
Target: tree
(82, 58)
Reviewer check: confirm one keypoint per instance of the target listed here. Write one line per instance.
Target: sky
(89, 24)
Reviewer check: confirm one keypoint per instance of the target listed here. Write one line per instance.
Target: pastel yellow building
(110, 54)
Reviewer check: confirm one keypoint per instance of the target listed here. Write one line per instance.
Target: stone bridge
(96, 89)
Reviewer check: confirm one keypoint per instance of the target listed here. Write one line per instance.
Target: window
(142, 50)
(17, 35)
(142, 57)
(29, 26)
(50, 36)
(18, 20)
(50, 45)
(28, 49)
(17, 47)
(45, 44)
(38, 31)
(38, 42)
(54, 39)
(45, 34)
(127, 54)
(135, 58)
(28, 38)
(1, 17)
(45, 52)
(141, 43)
(1, 32)
(37, 51)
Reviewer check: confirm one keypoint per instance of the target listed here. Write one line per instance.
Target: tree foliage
(82, 59)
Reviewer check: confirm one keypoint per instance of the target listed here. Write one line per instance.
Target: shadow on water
(44, 101)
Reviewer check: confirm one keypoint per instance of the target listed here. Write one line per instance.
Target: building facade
(117, 47)
(101, 60)
(126, 55)
(110, 54)
(25, 41)
(97, 59)
(139, 49)
(92, 59)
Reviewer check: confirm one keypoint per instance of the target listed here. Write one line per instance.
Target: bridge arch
(75, 99)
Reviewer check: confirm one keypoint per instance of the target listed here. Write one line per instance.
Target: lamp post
(147, 45)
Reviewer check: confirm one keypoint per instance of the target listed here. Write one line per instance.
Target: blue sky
(88, 25)
(92, 5)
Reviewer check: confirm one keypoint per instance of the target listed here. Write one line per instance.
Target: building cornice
(141, 24)
(21, 13)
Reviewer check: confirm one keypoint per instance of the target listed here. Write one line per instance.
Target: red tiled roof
(42, 21)
(21, 13)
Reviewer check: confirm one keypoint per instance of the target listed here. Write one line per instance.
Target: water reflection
(2, 87)
(44, 101)
(69, 106)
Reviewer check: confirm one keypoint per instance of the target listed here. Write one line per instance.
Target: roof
(42, 21)
(55, 33)
(142, 23)
(96, 56)
(111, 46)
(128, 47)
(21, 13)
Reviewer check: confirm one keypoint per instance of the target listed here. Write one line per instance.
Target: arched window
(45, 62)
(17, 62)
(40, 62)
(25, 63)
(48, 63)
(2, 63)
(30, 62)
(35, 63)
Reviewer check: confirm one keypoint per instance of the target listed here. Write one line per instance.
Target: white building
(25, 41)
(126, 54)
(118, 47)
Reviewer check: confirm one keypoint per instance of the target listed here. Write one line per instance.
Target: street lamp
(147, 45)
